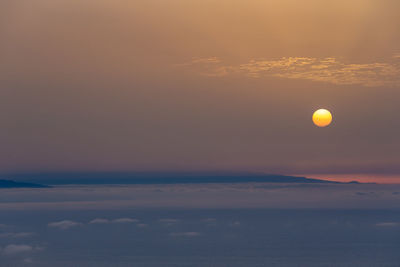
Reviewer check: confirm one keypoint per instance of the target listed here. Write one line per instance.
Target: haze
(200, 85)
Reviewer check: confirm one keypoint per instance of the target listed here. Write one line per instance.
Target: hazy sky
(200, 85)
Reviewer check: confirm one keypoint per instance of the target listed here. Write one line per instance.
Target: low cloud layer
(226, 222)
(201, 196)
(67, 224)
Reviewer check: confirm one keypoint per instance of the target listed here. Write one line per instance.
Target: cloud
(198, 61)
(168, 221)
(119, 220)
(387, 224)
(235, 224)
(63, 225)
(17, 235)
(329, 70)
(211, 66)
(185, 234)
(99, 221)
(16, 249)
(142, 225)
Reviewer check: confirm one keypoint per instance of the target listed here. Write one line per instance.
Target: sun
(322, 117)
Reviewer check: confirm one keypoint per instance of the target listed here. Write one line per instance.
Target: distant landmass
(87, 178)
(14, 184)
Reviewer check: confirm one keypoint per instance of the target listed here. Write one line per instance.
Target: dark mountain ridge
(14, 184)
(159, 178)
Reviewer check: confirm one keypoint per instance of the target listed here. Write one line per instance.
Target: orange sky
(362, 178)
(200, 85)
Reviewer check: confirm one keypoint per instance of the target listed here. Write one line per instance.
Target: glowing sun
(322, 117)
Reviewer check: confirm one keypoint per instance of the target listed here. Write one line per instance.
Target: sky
(200, 85)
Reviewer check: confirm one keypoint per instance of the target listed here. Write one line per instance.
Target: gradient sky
(200, 85)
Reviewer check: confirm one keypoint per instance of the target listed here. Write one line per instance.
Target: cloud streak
(16, 235)
(99, 221)
(329, 70)
(16, 249)
(64, 225)
(119, 220)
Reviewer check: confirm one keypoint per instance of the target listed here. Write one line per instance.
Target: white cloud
(63, 225)
(185, 234)
(99, 221)
(16, 249)
(142, 225)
